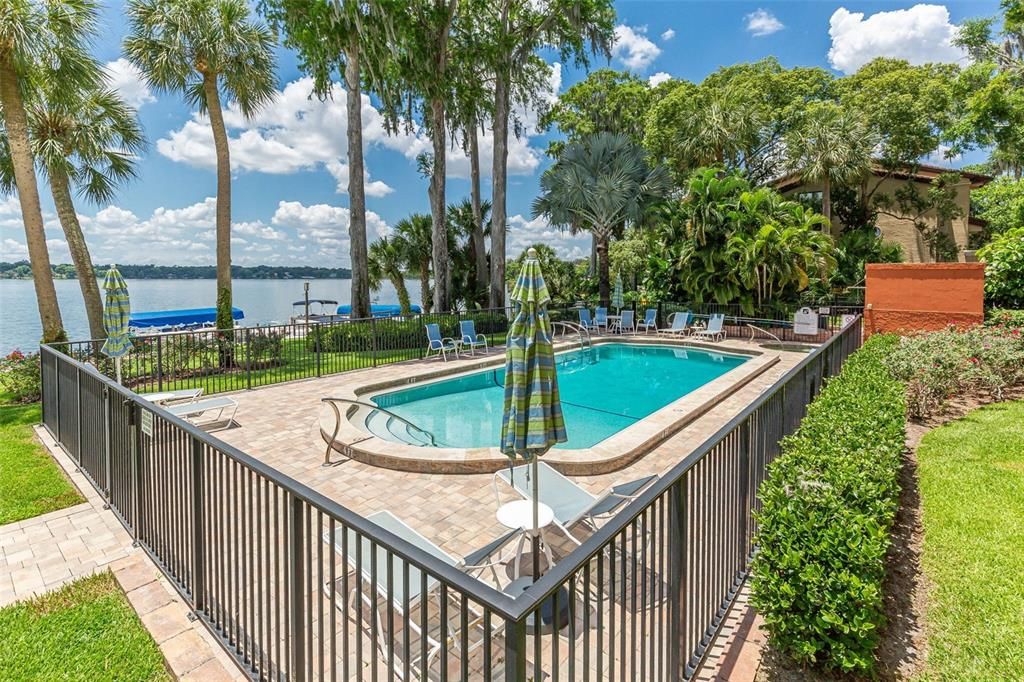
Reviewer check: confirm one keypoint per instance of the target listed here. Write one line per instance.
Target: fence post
(56, 395)
(677, 502)
(373, 338)
(248, 358)
(660, 317)
(106, 446)
(78, 409)
(198, 549)
(515, 649)
(135, 455)
(316, 346)
(296, 591)
(746, 503)
(159, 364)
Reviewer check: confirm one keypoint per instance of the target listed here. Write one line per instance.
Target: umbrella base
(545, 619)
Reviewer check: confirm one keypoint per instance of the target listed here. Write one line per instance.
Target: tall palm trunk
(603, 279)
(826, 204)
(403, 294)
(426, 300)
(498, 181)
(16, 121)
(360, 298)
(439, 232)
(60, 187)
(477, 237)
(220, 145)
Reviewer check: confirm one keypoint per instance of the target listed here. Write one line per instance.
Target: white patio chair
(714, 330)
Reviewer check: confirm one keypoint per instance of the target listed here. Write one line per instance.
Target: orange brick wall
(909, 297)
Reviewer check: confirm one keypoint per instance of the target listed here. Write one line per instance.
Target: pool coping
(613, 453)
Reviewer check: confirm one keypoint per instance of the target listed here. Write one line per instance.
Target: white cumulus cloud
(524, 232)
(633, 48)
(668, 34)
(124, 77)
(761, 22)
(920, 35)
(657, 79)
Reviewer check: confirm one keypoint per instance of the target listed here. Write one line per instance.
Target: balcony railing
(244, 544)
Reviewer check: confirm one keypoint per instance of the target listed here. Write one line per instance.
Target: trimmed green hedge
(828, 507)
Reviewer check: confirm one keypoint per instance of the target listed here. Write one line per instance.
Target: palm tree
(386, 261)
(38, 42)
(832, 146)
(203, 49)
(469, 223)
(416, 233)
(599, 184)
(87, 140)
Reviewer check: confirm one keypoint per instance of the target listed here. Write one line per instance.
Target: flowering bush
(1005, 317)
(19, 376)
(937, 366)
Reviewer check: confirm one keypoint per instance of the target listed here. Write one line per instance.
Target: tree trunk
(826, 204)
(360, 297)
(426, 300)
(593, 255)
(16, 122)
(220, 145)
(60, 187)
(603, 279)
(498, 187)
(439, 231)
(479, 248)
(403, 295)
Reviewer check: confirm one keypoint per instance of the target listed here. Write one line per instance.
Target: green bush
(1004, 317)
(828, 506)
(1004, 269)
(19, 376)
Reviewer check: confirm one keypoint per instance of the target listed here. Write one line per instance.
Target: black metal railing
(258, 556)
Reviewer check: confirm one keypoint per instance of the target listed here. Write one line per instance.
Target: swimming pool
(604, 389)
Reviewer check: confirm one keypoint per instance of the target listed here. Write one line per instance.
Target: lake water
(262, 300)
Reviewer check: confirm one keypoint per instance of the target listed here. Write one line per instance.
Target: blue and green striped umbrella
(533, 420)
(617, 293)
(116, 311)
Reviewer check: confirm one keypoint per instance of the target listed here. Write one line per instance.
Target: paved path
(44, 553)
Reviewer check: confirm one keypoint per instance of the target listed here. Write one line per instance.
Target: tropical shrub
(828, 506)
(1004, 317)
(937, 366)
(1004, 269)
(19, 376)
(265, 348)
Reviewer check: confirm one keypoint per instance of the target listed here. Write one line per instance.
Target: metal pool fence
(250, 357)
(266, 562)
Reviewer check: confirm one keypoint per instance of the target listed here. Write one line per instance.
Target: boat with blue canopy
(186, 318)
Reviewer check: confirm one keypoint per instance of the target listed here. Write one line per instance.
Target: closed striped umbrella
(533, 420)
(116, 312)
(617, 292)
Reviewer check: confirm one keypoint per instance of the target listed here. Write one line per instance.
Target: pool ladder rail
(401, 429)
(582, 332)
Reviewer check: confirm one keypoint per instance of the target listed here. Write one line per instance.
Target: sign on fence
(805, 321)
(147, 422)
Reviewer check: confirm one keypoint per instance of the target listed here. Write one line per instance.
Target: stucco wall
(907, 297)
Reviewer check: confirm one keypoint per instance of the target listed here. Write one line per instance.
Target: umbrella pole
(535, 549)
(117, 369)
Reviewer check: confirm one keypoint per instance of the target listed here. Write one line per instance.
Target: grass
(85, 631)
(972, 490)
(31, 483)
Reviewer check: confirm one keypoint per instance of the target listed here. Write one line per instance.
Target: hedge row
(828, 507)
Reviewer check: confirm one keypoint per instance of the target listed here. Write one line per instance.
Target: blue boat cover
(380, 310)
(171, 318)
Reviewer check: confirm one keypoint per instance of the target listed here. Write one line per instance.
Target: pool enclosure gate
(244, 544)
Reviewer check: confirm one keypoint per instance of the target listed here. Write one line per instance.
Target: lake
(263, 301)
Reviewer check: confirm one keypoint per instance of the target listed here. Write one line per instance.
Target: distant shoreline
(21, 270)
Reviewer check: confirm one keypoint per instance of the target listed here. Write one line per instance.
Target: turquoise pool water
(604, 389)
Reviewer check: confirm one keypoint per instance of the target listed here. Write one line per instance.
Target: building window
(811, 200)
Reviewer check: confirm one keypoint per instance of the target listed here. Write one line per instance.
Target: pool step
(387, 427)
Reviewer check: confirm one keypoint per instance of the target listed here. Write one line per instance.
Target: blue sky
(288, 163)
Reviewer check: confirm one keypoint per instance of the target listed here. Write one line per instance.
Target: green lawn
(972, 490)
(85, 631)
(31, 483)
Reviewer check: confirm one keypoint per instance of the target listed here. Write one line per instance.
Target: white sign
(805, 322)
(147, 422)
(848, 319)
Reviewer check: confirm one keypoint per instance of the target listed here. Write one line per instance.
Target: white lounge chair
(363, 562)
(187, 395)
(198, 412)
(442, 345)
(649, 322)
(678, 324)
(570, 503)
(470, 338)
(714, 331)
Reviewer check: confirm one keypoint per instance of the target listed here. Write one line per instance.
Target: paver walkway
(42, 554)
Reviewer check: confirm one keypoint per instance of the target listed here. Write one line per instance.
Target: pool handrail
(337, 422)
